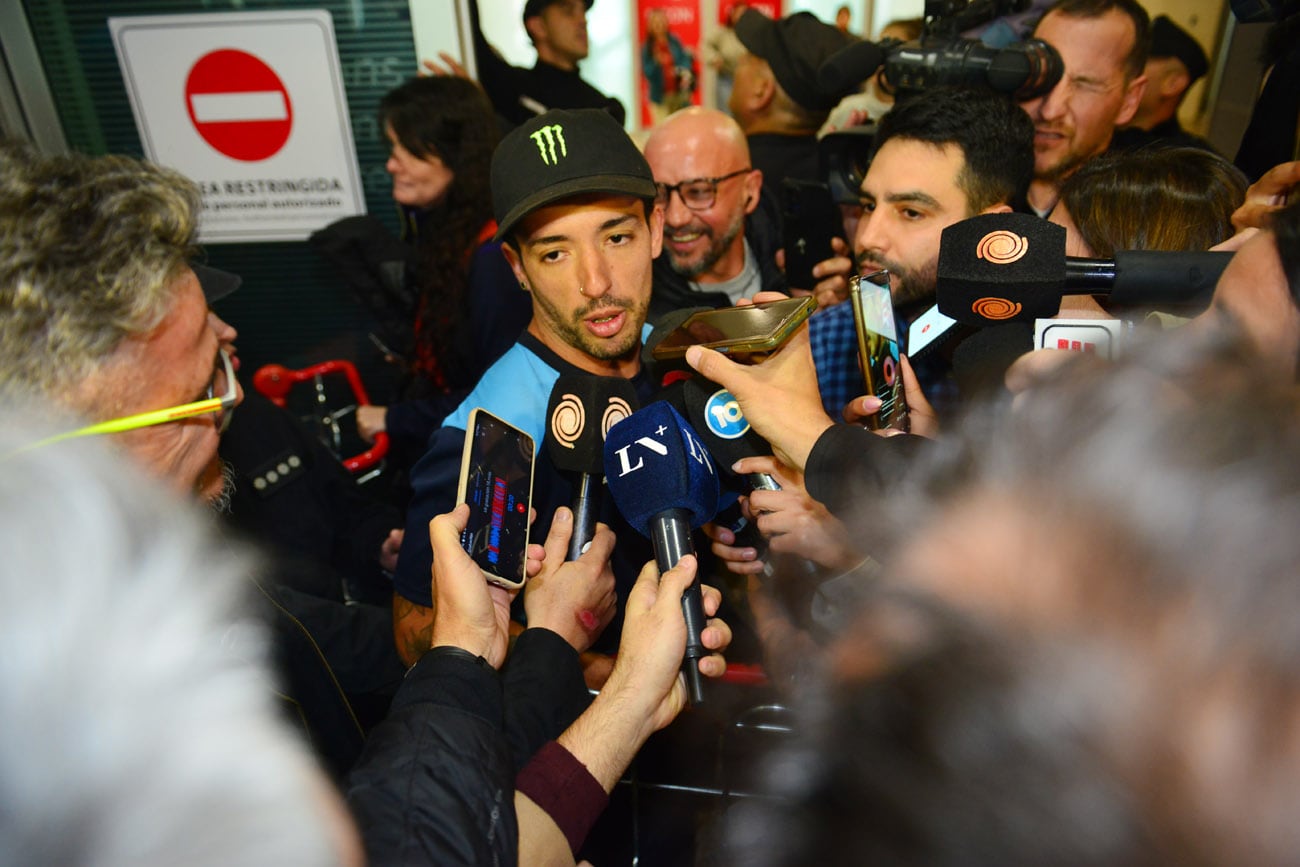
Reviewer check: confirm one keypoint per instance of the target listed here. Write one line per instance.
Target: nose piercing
(582, 291)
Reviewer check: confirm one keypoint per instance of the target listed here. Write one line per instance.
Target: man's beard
(907, 286)
(716, 249)
(573, 333)
(222, 502)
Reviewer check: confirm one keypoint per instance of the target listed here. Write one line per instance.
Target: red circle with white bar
(238, 105)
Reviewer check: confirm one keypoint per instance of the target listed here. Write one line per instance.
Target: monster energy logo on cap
(546, 139)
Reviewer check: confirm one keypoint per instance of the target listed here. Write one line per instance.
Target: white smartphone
(496, 480)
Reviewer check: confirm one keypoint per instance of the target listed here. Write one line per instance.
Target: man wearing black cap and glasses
(558, 30)
(1175, 62)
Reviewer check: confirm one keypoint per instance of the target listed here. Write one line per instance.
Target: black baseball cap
(1170, 40)
(534, 7)
(216, 284)
(795, 47)
(564, 153)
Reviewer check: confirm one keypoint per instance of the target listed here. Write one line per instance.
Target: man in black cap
(776, 98)
(558, 30)
(574, 203)
(1174, 63)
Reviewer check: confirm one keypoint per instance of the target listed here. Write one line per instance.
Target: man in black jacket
(558, 30)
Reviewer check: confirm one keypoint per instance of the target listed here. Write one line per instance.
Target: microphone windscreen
(581, 411)
(1001, 267)
(654, 462)
(715, 414)
(845, 70)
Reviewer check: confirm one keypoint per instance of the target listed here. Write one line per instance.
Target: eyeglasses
(698, 194)
(221, 394)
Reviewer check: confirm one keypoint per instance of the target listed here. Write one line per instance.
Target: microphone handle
(586, 508)
(1156, 277)
(670, 533)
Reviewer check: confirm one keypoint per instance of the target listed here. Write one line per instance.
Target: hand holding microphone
(663, 481)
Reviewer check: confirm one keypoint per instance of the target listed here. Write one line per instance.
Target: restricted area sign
(239, 105)
(251, 106)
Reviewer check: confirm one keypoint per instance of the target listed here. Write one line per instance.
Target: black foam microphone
(581, 411)
(716, 415)
(663, 481)
(1013, 268)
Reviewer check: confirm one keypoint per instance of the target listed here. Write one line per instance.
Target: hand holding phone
(746, 334)
(878, 351)
(496, 480)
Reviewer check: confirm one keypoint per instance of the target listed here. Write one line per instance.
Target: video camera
(940, 57)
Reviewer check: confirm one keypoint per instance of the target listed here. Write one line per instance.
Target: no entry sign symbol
(238, 105)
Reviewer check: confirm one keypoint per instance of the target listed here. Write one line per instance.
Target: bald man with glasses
(721, 237)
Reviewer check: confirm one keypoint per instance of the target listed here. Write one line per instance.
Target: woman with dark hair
(460, 305)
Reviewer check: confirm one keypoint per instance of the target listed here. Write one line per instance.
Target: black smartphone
(496, 479)
(746, 334)
(878, 350)
(810, 220)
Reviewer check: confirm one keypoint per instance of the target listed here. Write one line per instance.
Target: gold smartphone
(496, 479)
(746, 334)
(878, 350)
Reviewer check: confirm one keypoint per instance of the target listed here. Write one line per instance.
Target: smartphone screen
(878, 350)
(496, 480)
(747, 334)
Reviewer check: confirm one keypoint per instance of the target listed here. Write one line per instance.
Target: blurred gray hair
(136, 699)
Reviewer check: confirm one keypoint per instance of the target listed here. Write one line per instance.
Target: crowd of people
(1045, 619)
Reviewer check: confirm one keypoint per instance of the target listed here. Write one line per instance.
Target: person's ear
(1002, 208)
(1132, 99)
(656, 220)
(753, 190)
(1175, 83)
(517, 266)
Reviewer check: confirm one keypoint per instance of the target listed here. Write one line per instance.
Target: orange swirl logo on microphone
(617, 410)
(568, 420)
(996, 308)
(1002, 247)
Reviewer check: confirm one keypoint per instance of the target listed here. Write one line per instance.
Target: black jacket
(435, 784)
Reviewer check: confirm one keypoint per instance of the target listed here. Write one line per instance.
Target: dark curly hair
(449, 118)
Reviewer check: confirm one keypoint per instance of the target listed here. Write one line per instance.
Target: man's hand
(779, 397)
(832, 275)
(742, 560)
(575, 600)
(371, 420)
(451, 66)
(468, 612)
(646, 680)
(922, 420)
(645, 691)
(1267, 195)
(390, 548)
(795, 523)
